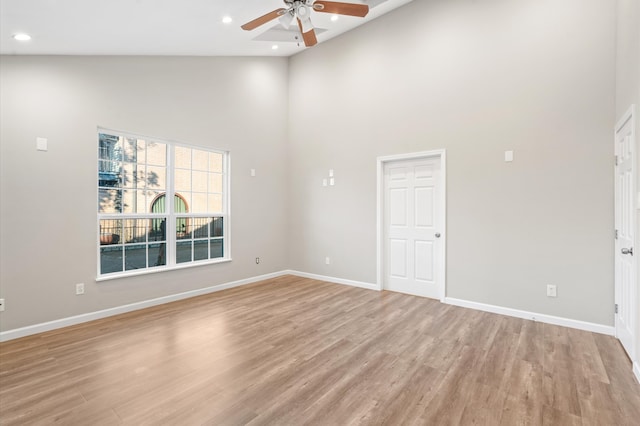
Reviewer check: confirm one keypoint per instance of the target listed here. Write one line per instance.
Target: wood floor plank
(298, 351)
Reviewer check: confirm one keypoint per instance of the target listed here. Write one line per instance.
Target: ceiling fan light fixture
(227, 20)
(334, 18)
(274, 47)
(286, 20)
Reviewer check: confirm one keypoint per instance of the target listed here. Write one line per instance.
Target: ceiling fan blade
(263, 19)
(340, 8)
(308, 34)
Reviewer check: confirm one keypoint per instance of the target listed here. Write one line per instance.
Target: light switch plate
(41, 144)
(508, 156)
(253, 172)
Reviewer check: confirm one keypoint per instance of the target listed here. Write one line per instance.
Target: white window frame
(170, 215)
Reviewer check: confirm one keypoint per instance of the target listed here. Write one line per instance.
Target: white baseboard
(78, 319)
(548, 319)
(334, 280)
(636, 371)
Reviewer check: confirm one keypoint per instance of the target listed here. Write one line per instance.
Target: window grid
(148, 215)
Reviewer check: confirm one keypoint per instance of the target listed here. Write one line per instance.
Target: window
(160, 204)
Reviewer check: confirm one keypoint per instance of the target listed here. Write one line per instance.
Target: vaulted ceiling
(162, 27)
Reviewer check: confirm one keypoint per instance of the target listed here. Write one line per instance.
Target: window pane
(135, 257)
(183, 251)
(200, 250)
(157, 202)
(110, 147)
(110, 231)
(215, 203)
(183, 157)
(182, 202)
(131, 151)
(132, 175)
(142, 150)
(183, 180)
(216, 227)
(156, 177)
(199, 182)
(215, 182)
(129, 200)
(216, 249)
(215, 162)
(199, 202)
(200, 160)
(157, 254)
(181, 228)
(144, 204)
(156, 154)
(110, 259)
(158, 230)
(134, 201)
(109, 173)
(135, 230)
(200, 227)
(109, 200)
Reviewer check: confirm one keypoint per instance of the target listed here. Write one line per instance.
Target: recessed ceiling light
(274, 47)
(22, 37)
(334, 18)
(227, 20)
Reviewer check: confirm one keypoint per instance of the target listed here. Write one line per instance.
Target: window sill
(138, 272)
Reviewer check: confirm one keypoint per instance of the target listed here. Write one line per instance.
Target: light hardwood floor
(295, 351)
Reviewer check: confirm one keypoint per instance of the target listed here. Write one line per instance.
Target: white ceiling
(158, 27)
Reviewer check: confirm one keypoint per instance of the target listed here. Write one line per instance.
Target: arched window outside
(158, 206)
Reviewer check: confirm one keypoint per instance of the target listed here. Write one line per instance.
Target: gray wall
(48, 199)
(628, 86)
(476, 78)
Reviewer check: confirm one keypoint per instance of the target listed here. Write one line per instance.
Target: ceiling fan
(300, 11)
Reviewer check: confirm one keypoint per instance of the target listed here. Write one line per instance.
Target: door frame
(380, 199)
(628, 116)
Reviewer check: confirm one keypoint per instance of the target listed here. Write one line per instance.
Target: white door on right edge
(625, 276)
(412, 249)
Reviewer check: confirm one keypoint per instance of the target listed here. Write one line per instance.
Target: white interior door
(413, 238)
(625, 265)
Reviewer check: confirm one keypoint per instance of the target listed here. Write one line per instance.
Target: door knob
(437, 235)
(627, 251)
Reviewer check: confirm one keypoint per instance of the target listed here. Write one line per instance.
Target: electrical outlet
(79, 289)
(551, 290)
(1, 305)
(327, 260)
(257, 260)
